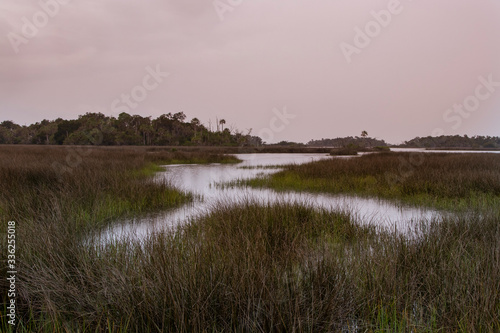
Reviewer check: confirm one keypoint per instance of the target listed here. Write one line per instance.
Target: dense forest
(98, 129)
(173, 130)
(453, 141)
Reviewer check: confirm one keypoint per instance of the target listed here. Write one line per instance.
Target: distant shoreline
(471, 149)
(214, 149)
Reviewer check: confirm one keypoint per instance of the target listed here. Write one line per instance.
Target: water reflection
(201, 179)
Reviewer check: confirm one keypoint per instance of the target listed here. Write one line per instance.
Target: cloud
(263, 55)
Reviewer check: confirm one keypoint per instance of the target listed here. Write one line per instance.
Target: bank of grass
(260, 268)
(249, 268)
(155, 160)
(450, 181)
(186, 157)
(57, 195)
(347, 151)
(264, 149)
(86, 186)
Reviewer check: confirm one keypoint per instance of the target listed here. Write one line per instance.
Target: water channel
(202, 181)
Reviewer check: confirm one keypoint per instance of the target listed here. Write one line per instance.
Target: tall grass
(79, 188)
(457, 181)
(249, 267)
(281, 267)
(57, 195)
(175, 156)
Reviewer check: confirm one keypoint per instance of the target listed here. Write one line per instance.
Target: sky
(284, 69)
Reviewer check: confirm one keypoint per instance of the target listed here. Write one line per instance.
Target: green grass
(186, 157)
(344, 152)
(449, 181)
(57, 195)
(280, 267)
(248, 267)
(261, 167)
(104, 185)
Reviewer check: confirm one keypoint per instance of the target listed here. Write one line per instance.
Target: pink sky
(247, 58)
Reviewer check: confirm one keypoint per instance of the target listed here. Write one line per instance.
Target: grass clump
(247, 267)
(187, 157)
(280, 267)
(83, 187)
(382, 148)
(58, 195)
(344, 152)
(456, 181)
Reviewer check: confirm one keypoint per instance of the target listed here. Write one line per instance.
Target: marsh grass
(344, 152)
(250, 267)
(40, 186)
(186, 157)
(261, 167)
(449, 181)
(57, 195)
(281, 267)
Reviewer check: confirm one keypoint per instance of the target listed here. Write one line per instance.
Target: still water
(202, 181)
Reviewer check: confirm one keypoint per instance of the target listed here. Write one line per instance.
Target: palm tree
(364, 134)
(222, 122)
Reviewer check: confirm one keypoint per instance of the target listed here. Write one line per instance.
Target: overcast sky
(334, 67)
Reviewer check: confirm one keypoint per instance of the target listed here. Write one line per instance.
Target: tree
(195, 122)
(364, 134)
(126, 129)
(64, 129)
(9, 124)
(179, 116)
(45, 132)
(10, 132)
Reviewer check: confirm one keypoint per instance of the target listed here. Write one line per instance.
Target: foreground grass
(252, 267)
(262, 268)
(57, 195)
(451, 181)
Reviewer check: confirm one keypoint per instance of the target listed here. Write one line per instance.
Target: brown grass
(249, 268)
(437, 179)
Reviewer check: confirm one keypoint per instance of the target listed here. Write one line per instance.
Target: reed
(280, 267)
(247, 267)
(451, 181)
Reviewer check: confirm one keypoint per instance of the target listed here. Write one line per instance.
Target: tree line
(453, 141)
(172, 129)
(97, 128)
(363, 141)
